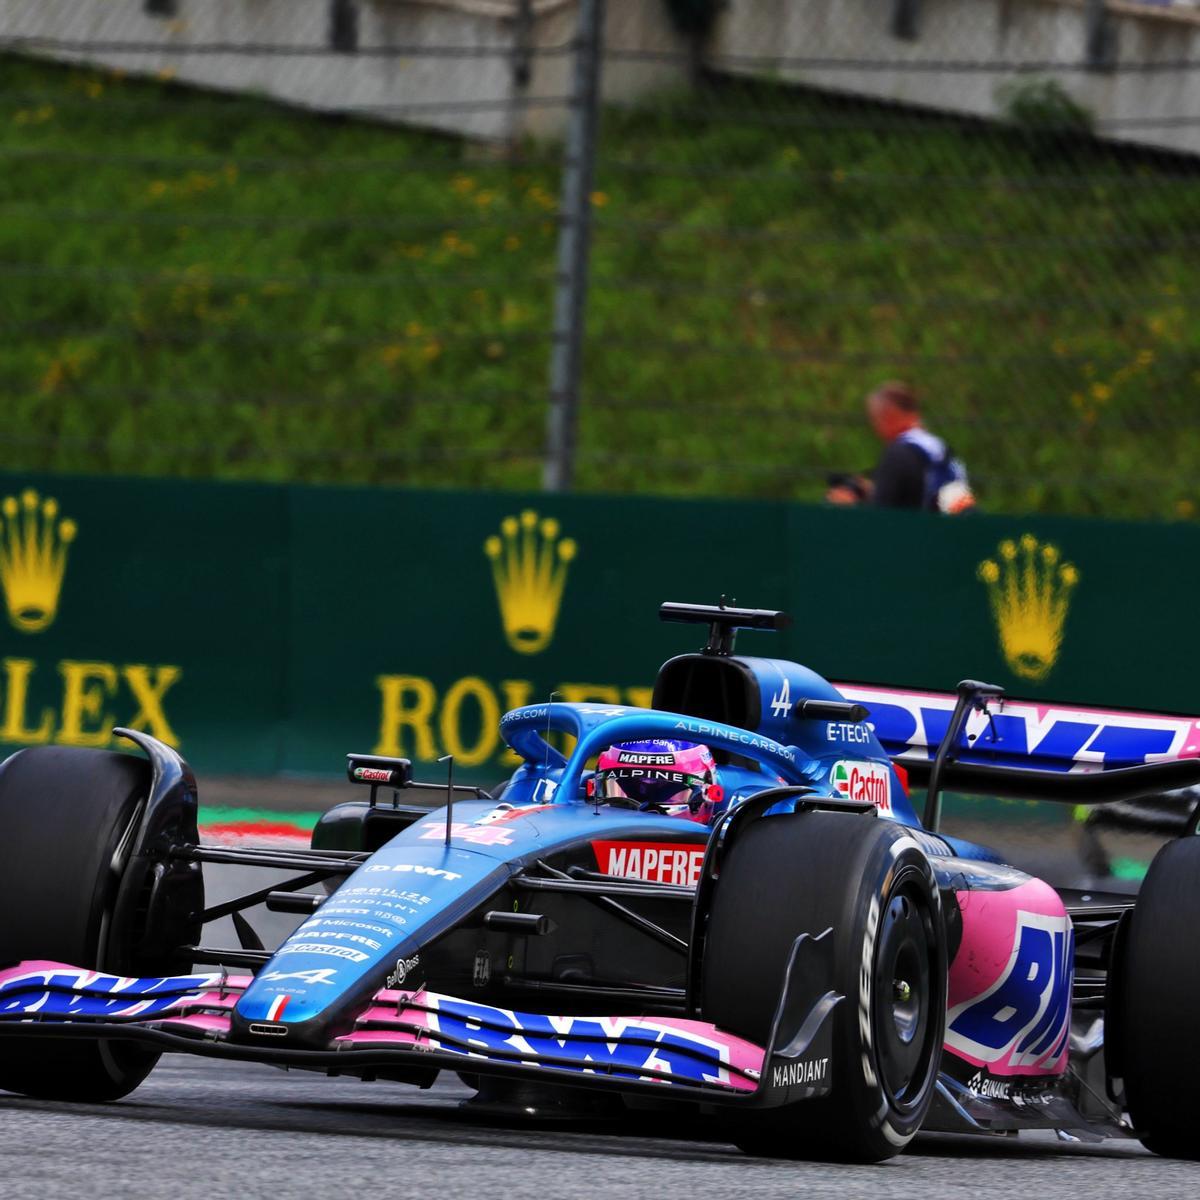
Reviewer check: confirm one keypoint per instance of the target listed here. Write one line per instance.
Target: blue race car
(736, 910)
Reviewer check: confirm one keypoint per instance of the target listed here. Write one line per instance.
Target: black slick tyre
(66, 819)
(870, 882)
(1157, 982)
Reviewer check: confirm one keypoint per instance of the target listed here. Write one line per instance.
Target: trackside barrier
(269, 628)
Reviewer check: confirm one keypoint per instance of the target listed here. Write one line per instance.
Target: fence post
(522, 72)
(523, 44)
(906, 19)
(343, 26)
(1099, 36)
(574, 250)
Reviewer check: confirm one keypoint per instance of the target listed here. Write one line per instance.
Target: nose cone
(407, 894)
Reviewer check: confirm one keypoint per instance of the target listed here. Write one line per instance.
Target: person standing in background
(917, 469)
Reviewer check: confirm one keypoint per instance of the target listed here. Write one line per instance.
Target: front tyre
(870, 882)
(67, 817)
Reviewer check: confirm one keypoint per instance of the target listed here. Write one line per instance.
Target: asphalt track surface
(203, 1129)
(199, 1128)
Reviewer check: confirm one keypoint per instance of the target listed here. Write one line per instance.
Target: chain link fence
(400, 274)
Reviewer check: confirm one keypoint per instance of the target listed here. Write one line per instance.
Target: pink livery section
(1010, 982)
(659, 1049)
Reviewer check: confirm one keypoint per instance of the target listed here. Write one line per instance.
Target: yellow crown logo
(529, 566)
(33, 557)
(1030, 592)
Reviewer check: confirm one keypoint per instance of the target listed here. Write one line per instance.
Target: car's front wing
(418, 1032)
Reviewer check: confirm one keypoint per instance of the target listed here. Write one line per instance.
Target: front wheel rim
(906, 993)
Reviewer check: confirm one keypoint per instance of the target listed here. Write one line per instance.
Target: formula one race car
(773, 935)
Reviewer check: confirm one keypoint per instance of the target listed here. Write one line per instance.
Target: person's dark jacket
(900, 477)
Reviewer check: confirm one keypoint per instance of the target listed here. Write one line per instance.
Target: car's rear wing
(978, 740)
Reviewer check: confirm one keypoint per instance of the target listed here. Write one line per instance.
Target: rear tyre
(67, 818)
(1158, 980)
(871, 883)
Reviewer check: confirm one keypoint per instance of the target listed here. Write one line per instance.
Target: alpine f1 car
(736, 911)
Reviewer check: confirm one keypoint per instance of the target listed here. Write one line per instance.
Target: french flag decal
(275, 1012)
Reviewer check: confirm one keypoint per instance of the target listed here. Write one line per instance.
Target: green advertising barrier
(266, 629)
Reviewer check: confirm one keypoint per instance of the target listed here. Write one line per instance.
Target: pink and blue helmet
(675, 777)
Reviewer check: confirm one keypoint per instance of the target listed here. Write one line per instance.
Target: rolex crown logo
(33, 557)
(1029, 588)
(529, 566)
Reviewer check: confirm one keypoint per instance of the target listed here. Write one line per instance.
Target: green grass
(207, 286)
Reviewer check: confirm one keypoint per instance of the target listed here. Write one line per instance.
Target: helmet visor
(659, 787)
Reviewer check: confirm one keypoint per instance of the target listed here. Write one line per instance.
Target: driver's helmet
(678, 778)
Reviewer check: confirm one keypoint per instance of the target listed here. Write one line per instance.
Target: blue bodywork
(419, 886)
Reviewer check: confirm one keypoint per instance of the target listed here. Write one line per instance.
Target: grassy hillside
(198, 285)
